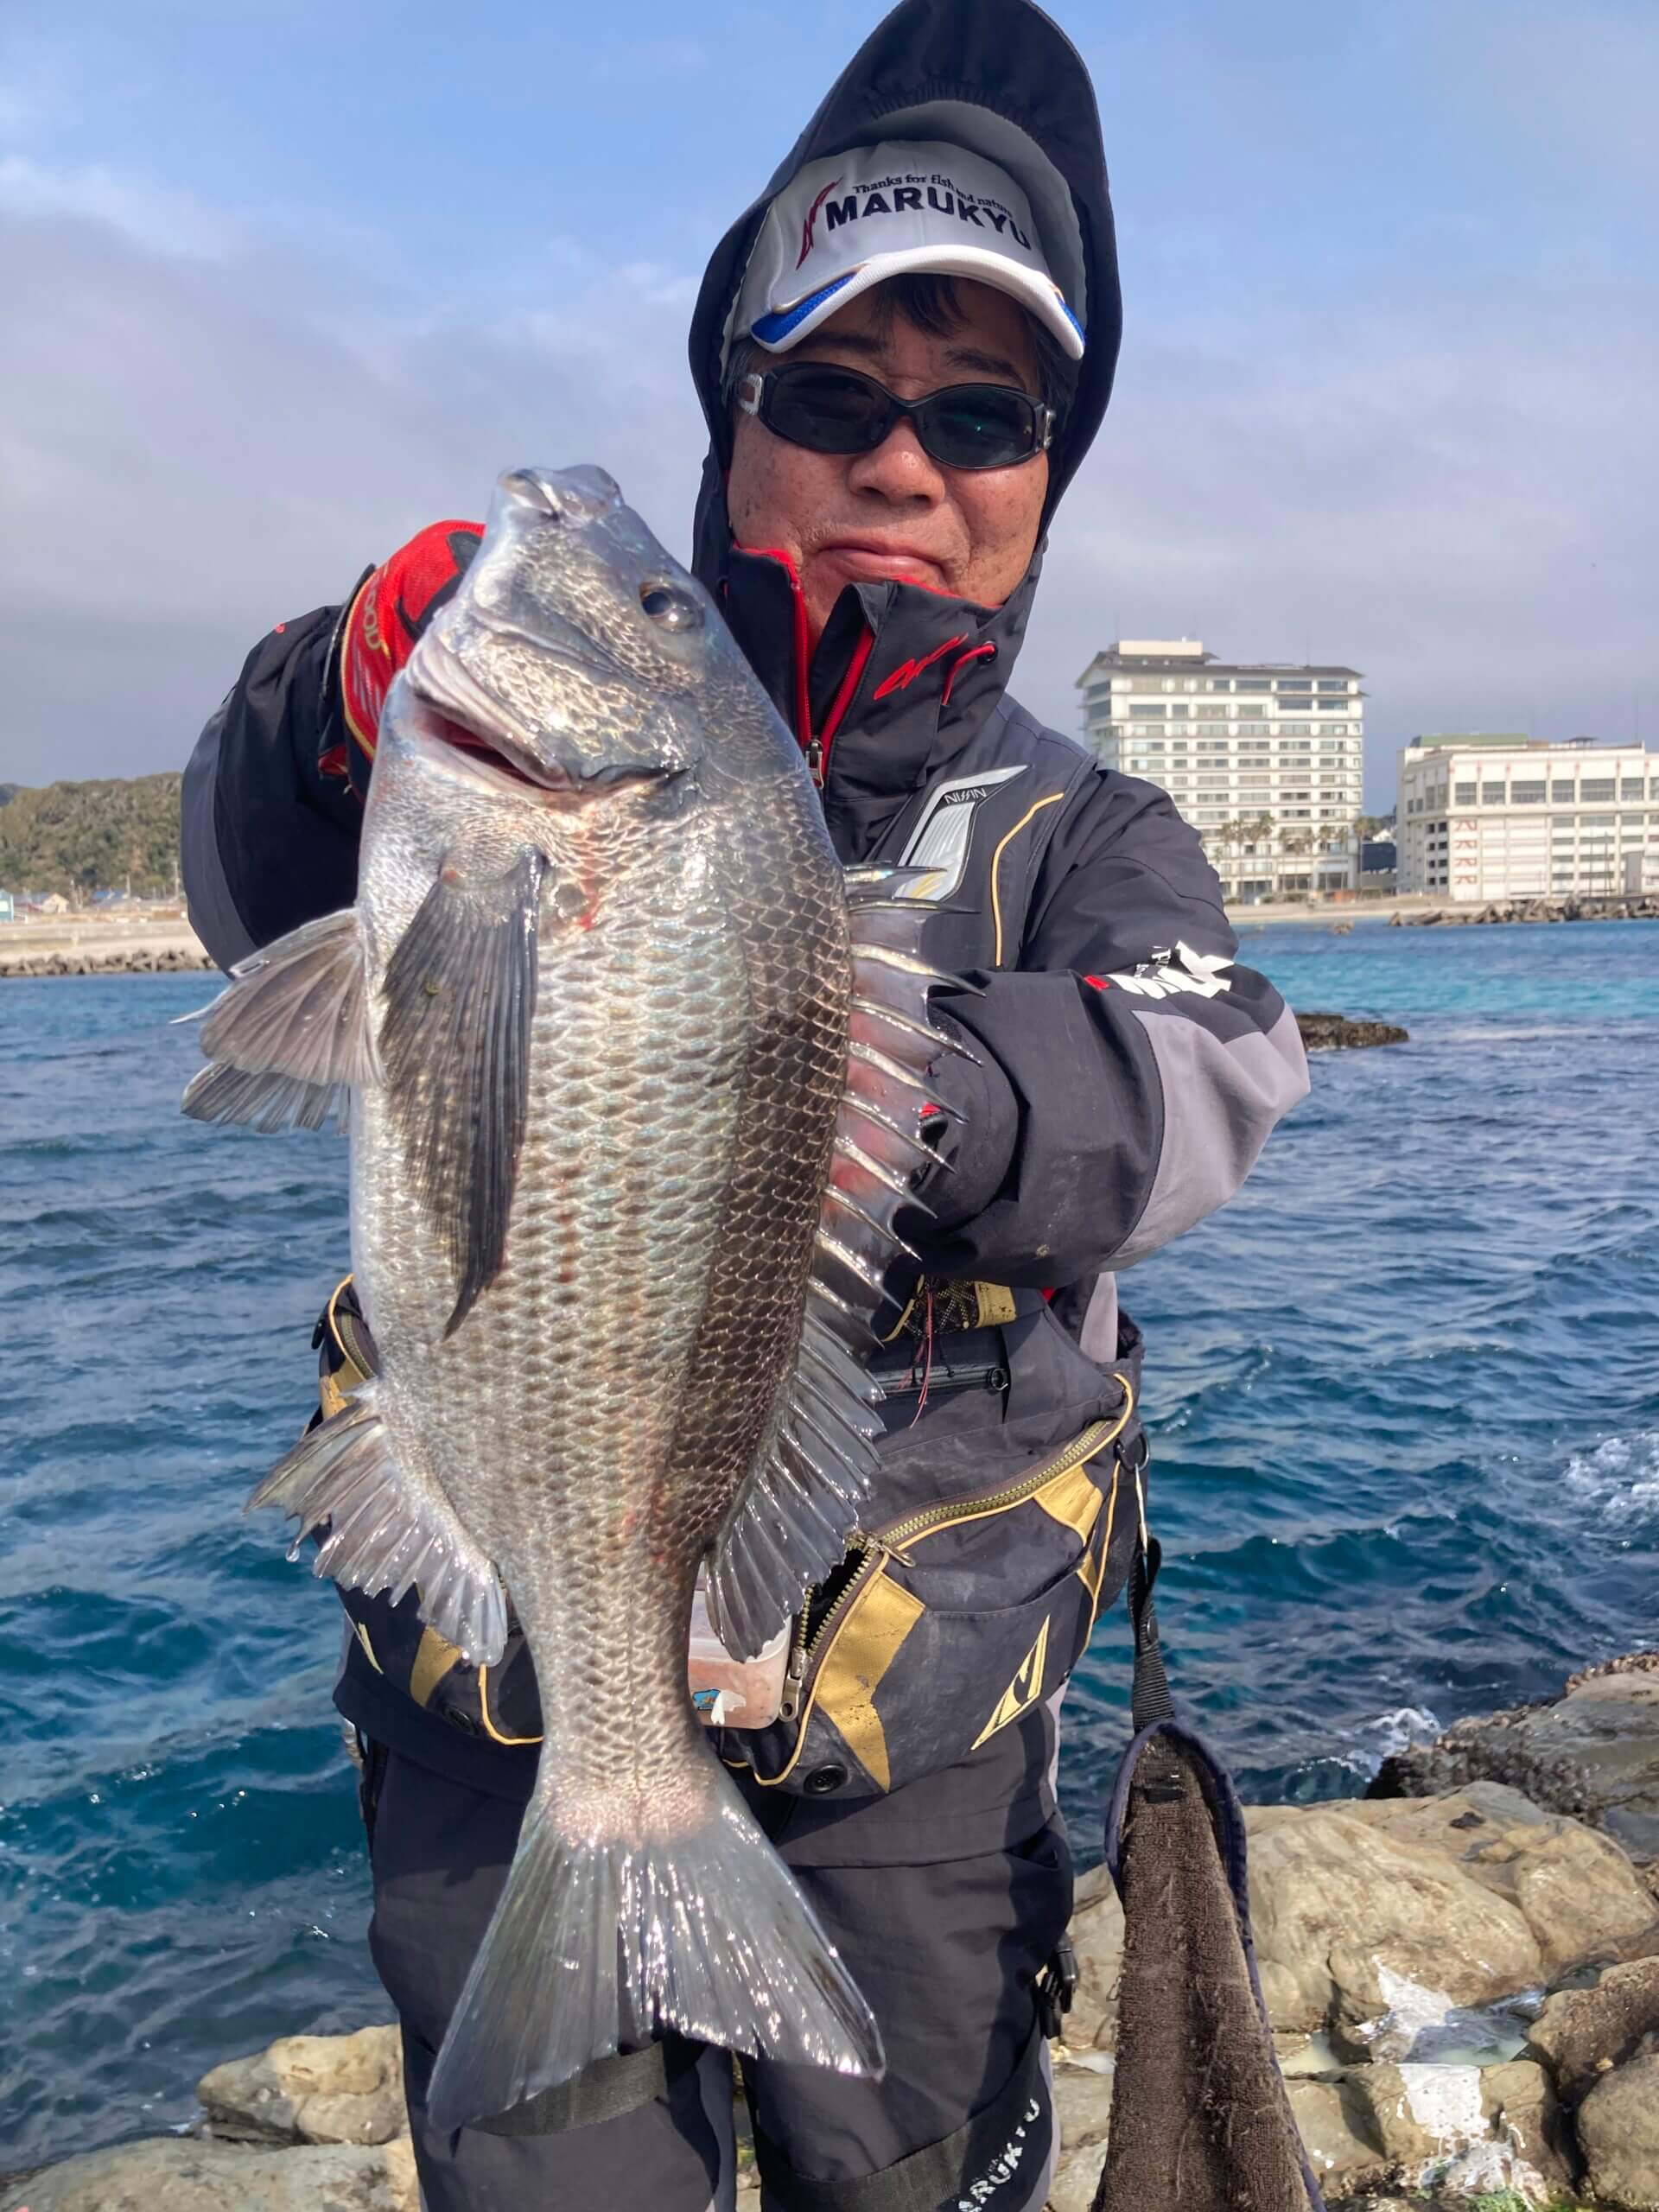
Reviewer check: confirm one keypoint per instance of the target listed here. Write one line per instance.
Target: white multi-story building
(1497, 815)
(1265, 759)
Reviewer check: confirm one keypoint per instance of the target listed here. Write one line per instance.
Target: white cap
(851, 221)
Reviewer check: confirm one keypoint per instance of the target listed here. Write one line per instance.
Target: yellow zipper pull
(789, 1701)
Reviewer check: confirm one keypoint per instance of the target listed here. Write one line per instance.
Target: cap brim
(786, 327)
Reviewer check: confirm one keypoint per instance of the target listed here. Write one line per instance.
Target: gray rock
(1083, 2105)
(1344, 1913)
(1324, 1032)
(1098, 1938)
(177, 2174)
(1466, 2131)
(1618, 2134)
(311, 2089)
(1582, 2034)
(1593, 1753)
(1579, 1893)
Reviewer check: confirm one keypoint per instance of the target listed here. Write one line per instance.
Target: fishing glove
(977, 1140)
(392, 605)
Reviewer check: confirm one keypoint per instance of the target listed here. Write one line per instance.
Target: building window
(1492, 794)
(1144, 706)
(1593, 788)
(1334, 683)
(1211, 714)
(1466, 794)
(1564, 788)
(1633, 787)
(1527, 794)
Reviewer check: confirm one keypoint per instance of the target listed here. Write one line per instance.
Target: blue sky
(283, 282)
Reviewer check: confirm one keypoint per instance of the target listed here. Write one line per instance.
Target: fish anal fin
(388, 1530)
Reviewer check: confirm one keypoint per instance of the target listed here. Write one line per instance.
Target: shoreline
(73, 946)
(1486, 2032)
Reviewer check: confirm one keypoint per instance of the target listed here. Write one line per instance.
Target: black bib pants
(946, 1949)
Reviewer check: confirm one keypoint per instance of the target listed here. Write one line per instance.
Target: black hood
(999, 76)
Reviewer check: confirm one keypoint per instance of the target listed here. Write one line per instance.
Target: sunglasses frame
(754, 390)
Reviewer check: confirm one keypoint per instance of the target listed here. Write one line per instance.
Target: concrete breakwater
(1642, 907)
(173, 958)
(1462, 1982)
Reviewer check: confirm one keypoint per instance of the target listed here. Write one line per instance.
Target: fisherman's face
(895, 513)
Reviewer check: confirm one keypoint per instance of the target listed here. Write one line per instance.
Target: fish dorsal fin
(459, 993)
(289, 1037)
(789, 1524)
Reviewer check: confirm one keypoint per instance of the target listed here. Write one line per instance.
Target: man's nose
(898, 469)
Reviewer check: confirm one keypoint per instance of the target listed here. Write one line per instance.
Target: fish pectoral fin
(388, 1530)
(460, 993)
(289, 1036)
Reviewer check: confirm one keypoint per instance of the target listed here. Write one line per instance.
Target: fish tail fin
(600, 1944)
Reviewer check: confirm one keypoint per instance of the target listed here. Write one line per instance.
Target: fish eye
(671, 608)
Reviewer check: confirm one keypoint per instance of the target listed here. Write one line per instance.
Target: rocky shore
(171, 959)
(1462, 1970)
(1643, 907)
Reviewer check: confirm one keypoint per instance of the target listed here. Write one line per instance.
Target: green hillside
(92, 836)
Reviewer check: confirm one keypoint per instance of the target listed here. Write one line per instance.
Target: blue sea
(1404, 1398)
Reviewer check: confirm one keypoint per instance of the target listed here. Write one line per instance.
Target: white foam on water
(1445, 2101)
(1619, 1478)
(1488, 2170)
(1399, 1730)
(1411, 2009)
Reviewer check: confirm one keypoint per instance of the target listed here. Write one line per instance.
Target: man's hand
(394, 604)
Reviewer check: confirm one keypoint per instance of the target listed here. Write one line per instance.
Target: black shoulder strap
(1149, 1697)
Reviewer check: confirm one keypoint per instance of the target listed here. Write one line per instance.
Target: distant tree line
(78, 838)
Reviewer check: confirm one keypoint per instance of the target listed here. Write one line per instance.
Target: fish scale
(619, 1216)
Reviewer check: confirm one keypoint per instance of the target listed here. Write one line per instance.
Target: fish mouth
(457, 712)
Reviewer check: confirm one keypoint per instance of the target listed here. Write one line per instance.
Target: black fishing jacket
(1127, 1070)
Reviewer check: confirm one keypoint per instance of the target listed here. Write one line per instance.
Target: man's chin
(827, 573)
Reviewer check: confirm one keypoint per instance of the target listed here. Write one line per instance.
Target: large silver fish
(634, 1080)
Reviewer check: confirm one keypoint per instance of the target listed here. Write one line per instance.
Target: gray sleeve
(206, 888)
(1222, 1094)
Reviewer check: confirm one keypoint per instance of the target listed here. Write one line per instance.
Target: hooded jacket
(1126, 1071)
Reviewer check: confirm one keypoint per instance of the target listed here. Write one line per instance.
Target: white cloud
(151, 214)
(190, 450)
(207, 425)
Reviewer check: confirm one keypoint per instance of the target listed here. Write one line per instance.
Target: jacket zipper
(877, 1550)
(804, 1648)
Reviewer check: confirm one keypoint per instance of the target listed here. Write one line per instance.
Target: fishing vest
(965, 1605)
(1013, 1468)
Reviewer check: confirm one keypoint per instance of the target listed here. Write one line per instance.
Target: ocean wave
(1619, 1478)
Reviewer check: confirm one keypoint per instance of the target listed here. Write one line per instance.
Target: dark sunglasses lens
(980, 426)
(827, 409)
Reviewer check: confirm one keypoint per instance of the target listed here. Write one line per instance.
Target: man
(903, 349)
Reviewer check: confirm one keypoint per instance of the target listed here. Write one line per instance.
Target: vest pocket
(893, 1675)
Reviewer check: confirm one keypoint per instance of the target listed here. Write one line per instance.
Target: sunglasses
(828, 410)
